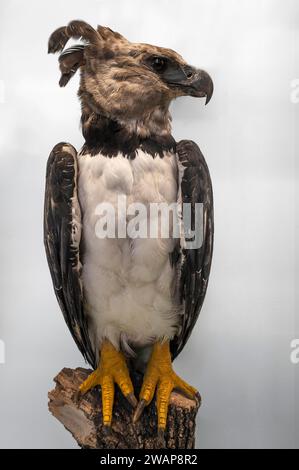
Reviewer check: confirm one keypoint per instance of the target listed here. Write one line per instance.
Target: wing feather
(193, 265)
(62, 235)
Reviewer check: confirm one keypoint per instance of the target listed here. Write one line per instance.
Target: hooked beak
(191, 82)
(198, 83)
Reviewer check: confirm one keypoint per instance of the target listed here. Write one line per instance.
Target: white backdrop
(239, 353)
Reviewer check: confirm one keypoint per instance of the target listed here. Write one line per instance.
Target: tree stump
(82, 416)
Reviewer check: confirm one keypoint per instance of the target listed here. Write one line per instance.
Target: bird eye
(159, 64)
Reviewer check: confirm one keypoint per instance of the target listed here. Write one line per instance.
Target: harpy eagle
(127, 297)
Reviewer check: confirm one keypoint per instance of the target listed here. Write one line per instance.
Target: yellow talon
(160, 374)
(111, 369)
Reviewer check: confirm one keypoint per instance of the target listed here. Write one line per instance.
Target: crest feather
(76, 29)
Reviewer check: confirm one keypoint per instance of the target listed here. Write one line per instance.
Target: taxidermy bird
(127, 300)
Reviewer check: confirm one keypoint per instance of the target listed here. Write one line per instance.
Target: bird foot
(160, 374)
(112, 369)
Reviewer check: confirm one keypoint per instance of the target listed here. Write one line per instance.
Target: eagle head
(124, 81)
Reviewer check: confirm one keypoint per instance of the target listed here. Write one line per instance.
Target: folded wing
(193, 265)
(62, 236)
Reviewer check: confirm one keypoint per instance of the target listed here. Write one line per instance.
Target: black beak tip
(209, 91)
(208, 99)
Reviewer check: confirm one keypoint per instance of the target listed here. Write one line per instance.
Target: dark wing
(62, 235)
(193, 265)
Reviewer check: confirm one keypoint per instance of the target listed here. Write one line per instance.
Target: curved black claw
(138, 412)
(132, 400)
(198, 398)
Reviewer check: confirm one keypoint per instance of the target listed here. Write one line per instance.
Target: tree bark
(82, 416)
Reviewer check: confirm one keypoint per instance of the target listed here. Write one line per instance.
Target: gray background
(239, 354)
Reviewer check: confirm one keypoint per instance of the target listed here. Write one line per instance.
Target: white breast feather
(127, 282)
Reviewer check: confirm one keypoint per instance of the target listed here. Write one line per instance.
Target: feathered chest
(121, 273)
(142, 180)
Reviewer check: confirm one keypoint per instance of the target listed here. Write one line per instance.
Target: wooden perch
(82, 416)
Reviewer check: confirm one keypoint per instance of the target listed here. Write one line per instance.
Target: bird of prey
(127, 300)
